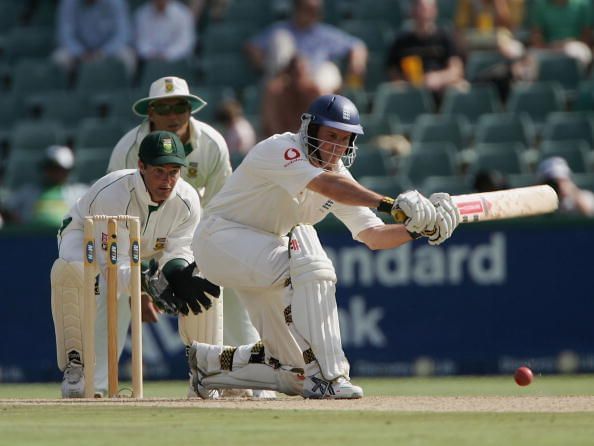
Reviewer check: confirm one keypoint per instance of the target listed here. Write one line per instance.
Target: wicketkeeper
(169, 211)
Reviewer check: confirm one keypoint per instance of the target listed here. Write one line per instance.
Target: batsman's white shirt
(245, 233)
(268, 191)
(208, 162)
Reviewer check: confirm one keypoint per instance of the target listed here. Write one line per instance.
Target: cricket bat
(502, 204)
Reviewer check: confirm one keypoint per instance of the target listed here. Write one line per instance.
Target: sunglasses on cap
(166, 109)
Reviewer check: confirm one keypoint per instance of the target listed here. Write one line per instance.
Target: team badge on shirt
(193, 170)
(160, 243)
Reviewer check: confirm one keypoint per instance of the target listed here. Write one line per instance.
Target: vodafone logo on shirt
(292, 155)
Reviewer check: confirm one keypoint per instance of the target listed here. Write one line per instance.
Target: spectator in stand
(45, 202)
(286, 95)
(238, 132)
(556, 173)
(426, 55)
(164, 30)
(93, 29)
(321, 44)
(563, 25)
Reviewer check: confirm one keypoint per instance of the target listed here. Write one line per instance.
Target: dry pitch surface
(556, 404)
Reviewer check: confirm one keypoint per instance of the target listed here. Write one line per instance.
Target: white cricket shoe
(73, 383)
(197, 390)
(316, 387)
(264, 394)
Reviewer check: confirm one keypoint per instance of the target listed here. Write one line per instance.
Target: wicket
(90, 271)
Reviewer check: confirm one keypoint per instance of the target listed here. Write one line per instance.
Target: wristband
(385, 205)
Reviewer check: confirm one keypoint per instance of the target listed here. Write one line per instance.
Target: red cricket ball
(523, 376)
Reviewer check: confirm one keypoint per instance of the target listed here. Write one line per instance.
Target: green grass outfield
(554, 410)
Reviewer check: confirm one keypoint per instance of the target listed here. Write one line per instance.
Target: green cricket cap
(161, 147)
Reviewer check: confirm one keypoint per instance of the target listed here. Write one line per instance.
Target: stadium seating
(537, 100)
(557, 67)
(504, 128)
(102, 75)
(478, 100)
(575, 152)
(440, 128)
(22, 167)
(156, 69)
(391, 185)
(36, 75)
(96, 132)
(36, 135)
(506, 158)
(561, 126)
(90, 164)
(371, 161)
(429, 159)
(452, 184)
(404, 102)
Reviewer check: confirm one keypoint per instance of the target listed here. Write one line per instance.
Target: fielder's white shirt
(268, 191)
(208, 162)
(166, 230)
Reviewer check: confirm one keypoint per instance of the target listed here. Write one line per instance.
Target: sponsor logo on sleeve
(292, 155)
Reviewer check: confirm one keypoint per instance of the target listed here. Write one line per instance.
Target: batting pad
(67, 310)
(313, 303)
(204, 327)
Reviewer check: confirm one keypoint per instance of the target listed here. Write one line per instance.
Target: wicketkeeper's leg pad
(67, 291)
(312, 313)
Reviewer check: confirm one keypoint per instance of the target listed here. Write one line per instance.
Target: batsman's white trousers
(256, 265)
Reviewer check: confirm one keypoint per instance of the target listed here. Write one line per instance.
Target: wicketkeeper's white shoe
(316, 387)
(73, 383)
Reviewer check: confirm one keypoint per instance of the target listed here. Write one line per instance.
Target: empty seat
(90, 164)
(553, 66)
(429, 159)
(504, 128)
(389, 185)
(452, 184)
(536, 100)
(96, 132)
(213, 95)
(23, 42)
(483, 65)
(66, 108)
(37, 75)
(228, 70)
(102, 75)
(440, 128)
(404, 102)
(36, 135)
(371, 161)
(255, 12)
(584, 180)
(575, 152)
(562, 126)
(584, 98)
(375, 11)
(477, 101)
(116, 103)
(156, 69)
(226, 37)
(22, 167)
(374, 125)
(375, 73)
(505, 158)
(372, 33)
